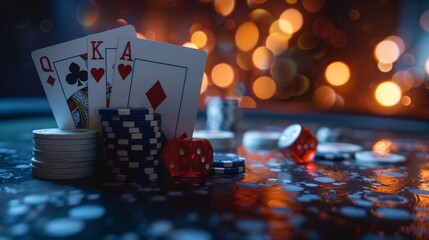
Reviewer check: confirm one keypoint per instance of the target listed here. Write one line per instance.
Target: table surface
(274, 199)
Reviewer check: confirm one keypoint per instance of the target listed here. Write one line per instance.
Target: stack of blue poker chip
(223, 114)
(228, 163)
(132, 141)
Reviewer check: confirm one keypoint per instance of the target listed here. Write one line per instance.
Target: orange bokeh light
(388, 93)
(337, 73)
(262, 58)
(223, 75)
(204, 83)
(199, 38)
(387, 51)
(264, 87)
(324, 97)
(247, 36)
(291, 21)
(224, 7)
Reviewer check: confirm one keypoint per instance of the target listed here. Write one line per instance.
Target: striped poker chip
(134, 171)
(132, 153)
(63, 176)
(228, 160)
(229, 170)
(59, 134)
(145, 117)
(136, 177)
(65, 148)
(69, 142)
(126, 141)
(70, 156)
(76, 170)
(124, 111)
(132, 136)
(134, 147)
(131, 124)
(132, 165)
(122, 130)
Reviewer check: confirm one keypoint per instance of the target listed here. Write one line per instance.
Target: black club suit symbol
(76, 75)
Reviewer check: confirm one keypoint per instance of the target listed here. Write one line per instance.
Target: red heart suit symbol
(97, 73)
(124, 70)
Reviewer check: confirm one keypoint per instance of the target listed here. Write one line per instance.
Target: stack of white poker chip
(223, 114)
(64, 154)
(261, 140)
(222, 141)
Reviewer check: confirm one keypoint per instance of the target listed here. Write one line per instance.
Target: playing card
(163, 76)
(63, 72)
(101, 61)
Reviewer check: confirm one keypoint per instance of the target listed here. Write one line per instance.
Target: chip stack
(223, 114)
(228, 163)
(132, 142)
(222, 141)
(64, 154)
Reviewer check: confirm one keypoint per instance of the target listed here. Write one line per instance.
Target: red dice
(298, 143)
(188, 157)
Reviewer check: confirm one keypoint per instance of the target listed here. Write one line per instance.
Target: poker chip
(373, 157)
(145, 117)
(228, 160)
(65, 148)
(229, 170)
(131, 124)
(136, 177)
(58, 134)
(122, 130)
(261, 140)
(220, 140)
(124, 111)
(336, 151)
(64, 154)
(61, 164)
(222, 114)
(132, 143)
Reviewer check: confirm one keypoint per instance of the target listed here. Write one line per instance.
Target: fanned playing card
(101, 62)
(63, 72)
(162, 76)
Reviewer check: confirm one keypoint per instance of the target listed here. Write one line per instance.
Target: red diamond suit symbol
(156, 95)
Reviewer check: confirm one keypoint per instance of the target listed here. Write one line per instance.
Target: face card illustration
(165, 77)
(101, 62)
(63, 72)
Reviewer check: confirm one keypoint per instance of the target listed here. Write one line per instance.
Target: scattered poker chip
(65, 148)
(374, 157)
(133, 165)
(58, 134)
(124, 111)
(132, 136)
(62, 176)
(126, 141)
(228, 160)
(333, 156)
(338, 147)
(136, 177)
(229, 170)
(145, 117)
(122, 130)
(70, 142)
(131, 124)
(220, 140)
(261, 140)
(60, 164)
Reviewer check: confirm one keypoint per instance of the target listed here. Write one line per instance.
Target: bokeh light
(313, 5)
(291, 21)
(262, 58)
(277, 42)
(324, 97)
(264, 87)
(427, 66)
(384, 67)
(302, 84)
(388, 94)
(261, 17)
(337, 73)
(190, 45)
(424, 21)
(246, 102)
(387, 51)
(223, 75)
(406, 101)
(204, 84)
(199, 38)
(354, 14)
(87, 14)
(247, 36)
(224, 7)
